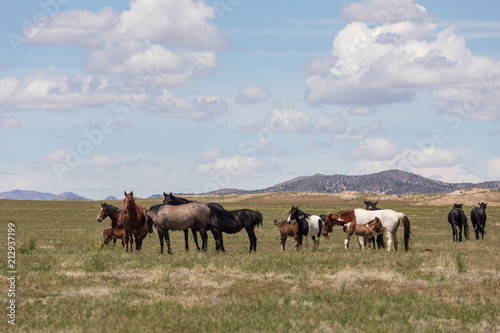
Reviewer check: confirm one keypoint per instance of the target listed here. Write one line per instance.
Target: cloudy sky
(98, 97)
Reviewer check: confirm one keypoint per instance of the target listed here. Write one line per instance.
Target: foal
(363, 230)
(286, 230)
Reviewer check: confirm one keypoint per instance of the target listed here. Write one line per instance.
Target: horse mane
(177, 200)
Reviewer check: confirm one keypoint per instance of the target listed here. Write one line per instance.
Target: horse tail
(407, 231)
(257, 218)
(466, 226)
(104, 234)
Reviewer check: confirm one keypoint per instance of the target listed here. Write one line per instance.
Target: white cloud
(280, 120)
(252, 95)
(210, 156)
(493, 168)
(10, 122)
(392, 61)
(200, 108)
(359, 133)
(374, 149)
(102, 161)
(180, 22)
(55, 92)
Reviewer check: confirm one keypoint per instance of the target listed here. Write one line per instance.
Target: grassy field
(65, 283)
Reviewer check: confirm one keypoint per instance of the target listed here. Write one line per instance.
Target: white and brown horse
(389, 218)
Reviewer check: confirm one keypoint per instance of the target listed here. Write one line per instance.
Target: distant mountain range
(389, 182)
(34, 195)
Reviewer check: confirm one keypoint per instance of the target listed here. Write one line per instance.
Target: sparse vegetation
(65, 283)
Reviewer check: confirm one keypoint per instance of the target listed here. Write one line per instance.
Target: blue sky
(98, 97)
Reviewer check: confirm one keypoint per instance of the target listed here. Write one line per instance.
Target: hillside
(389, 182)
(34, 195)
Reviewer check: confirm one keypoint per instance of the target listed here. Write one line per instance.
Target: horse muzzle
(327, 237)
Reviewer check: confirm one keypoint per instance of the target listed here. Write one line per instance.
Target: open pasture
(65, 283)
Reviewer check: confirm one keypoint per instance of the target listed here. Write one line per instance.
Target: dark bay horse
(478, 218)
(117, 230)
(134, 221)
(380, 238)
(389, 218)
(182, 217)
(309, 225)
(457, 219)
(222, 220)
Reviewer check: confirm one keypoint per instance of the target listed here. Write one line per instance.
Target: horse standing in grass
(309, 225)
(288, 229)
(478, 218)
(134, 221)
(363, 230)
(168, 199)
(389, 218)
(380, 238)
(457, 219)
(182, 217)
(229, 222)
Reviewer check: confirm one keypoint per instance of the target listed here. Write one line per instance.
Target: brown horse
(117, 230)
(134, 221)
(288, 229)
(363, 230)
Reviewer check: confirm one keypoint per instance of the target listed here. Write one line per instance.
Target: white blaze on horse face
(97, 218)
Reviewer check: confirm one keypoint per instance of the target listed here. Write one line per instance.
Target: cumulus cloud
(252, 95)
(359, 133)
(392, 61)
(374, 149)
(493, 168)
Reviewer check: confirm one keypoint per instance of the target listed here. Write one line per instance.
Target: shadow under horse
(222, 220)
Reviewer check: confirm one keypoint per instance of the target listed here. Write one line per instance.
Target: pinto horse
(167, 217)
(478, 218)
(134, 221)
(389, 218)
(457, 219)
(363, 230)
(309, 225)
(222, 220)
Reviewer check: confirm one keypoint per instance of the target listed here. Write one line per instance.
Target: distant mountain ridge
(34, 195)
(389, 182)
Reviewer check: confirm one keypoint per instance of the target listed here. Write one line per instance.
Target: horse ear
(171, 195)
(131, 193)
(125, 192)
(365, 202)
(375, 203)
(164, 194)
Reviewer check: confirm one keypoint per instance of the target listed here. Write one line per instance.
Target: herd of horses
(176, 213)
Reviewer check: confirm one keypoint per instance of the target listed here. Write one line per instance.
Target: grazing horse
(309, 225)
(380, 238)
(229, 222)
(134, 221)
(182, 217)
(457, 219)
(389, 218)
(113, 234)
(478, 218)
(288, 229)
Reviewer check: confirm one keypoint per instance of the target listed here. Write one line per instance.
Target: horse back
(183, 216)
(390, 219)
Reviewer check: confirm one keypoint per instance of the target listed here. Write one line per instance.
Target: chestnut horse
(117, 230)
(389, 218)
(134, 221)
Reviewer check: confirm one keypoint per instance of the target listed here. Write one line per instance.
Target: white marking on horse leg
(361, 243)
(388, 236)
(346, 243)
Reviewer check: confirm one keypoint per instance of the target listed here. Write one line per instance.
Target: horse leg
(131, 242)
(186, 234)
(395, 238)
(204, 239)
(460, 233)
(126, 241)
(219, 245)
(195, 238)
(388, 236)
(167, 240)
(361, 242)
(283, 241)
(160, 236)
(138, 240)
(252, 238)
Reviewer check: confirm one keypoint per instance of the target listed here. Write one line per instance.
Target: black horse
(478, 218)
(380, 238)
(457, 219)
(222, 220)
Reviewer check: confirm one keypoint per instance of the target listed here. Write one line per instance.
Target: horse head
(128, 202)
(103, 213)
(292, 214)
(371, 205)
(482, 205)
(149, 221)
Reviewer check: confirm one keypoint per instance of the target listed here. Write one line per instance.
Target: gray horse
(167, 217)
